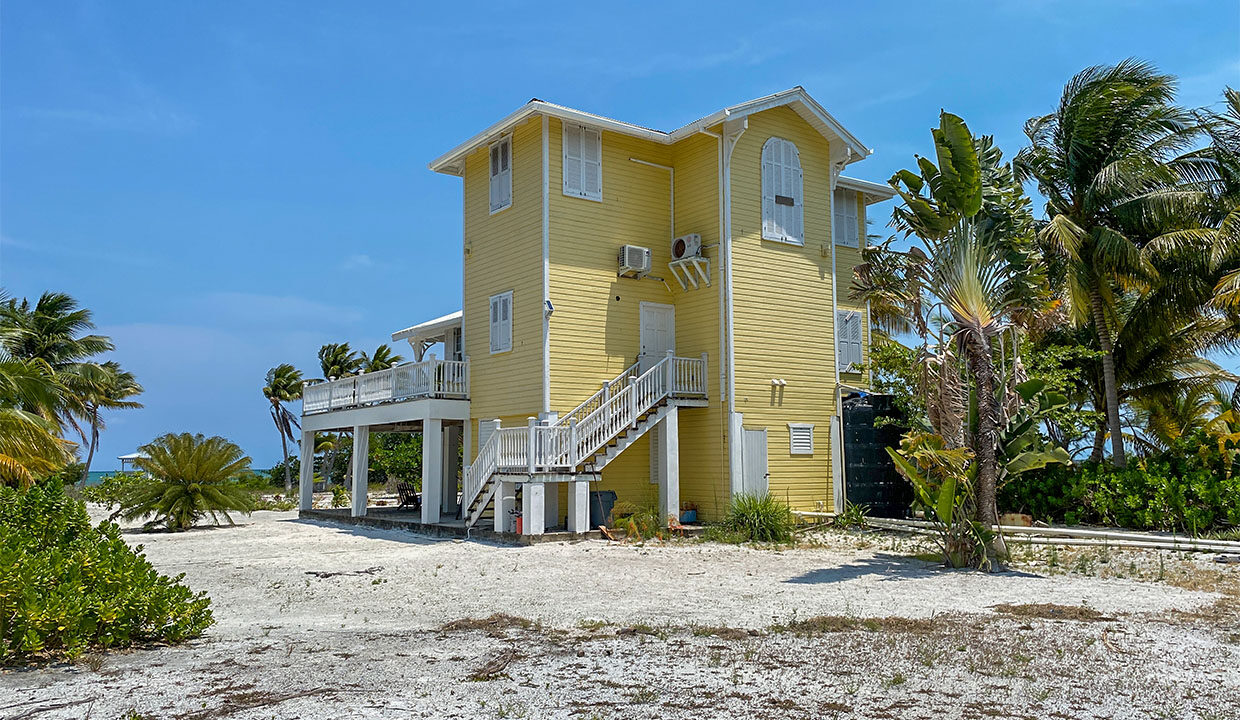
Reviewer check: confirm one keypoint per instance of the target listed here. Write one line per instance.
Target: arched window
(783, 211)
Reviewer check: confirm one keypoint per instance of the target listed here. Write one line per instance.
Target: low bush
(1189, 488)
(340, 496)
(66, 586)
(760, 518)
(111, 491)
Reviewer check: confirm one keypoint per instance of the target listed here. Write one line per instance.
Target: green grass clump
(760, 518)
(66, 586)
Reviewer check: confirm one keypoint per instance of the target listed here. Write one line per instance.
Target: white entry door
(658, 329)
(754, 477)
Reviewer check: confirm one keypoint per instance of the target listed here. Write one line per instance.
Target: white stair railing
(572, 439)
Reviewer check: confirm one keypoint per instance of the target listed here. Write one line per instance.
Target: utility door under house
(755, 479)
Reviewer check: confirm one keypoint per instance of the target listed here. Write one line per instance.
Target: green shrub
(1188, 488)
(111, 491)
(340, 496)
(760, 518)
(66, 586)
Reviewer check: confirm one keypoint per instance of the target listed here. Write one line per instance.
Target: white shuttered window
(501, 174)
(783, 209)
(848, 339)
(845, 224)
(501, 322)
(583, 162)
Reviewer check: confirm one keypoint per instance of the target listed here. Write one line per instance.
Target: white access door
(754, 473)
(658, 332)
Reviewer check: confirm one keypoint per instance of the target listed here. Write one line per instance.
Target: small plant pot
(688, 516)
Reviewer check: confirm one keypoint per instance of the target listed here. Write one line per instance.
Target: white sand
(370, 644)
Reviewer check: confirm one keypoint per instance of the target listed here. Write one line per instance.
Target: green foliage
(895, 371)
(760, 518)
(942, 480)
(66, 586)
(638, 522)
(396, 456)
(853, 516)
(192, 476)
(111, 491)
(1184, 489)
(340, 496)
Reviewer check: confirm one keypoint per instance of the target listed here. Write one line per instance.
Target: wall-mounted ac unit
(687, 246)
(634, 261)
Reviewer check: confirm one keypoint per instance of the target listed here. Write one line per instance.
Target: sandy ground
(849, 625)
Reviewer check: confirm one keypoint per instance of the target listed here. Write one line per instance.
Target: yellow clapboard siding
(784, 327)
(504, 252)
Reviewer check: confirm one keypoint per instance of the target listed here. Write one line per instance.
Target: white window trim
(846, 239)
(840, 324)
(503, 348)
(506, 176)
(798, 240)
(597, 197)
(792, 432)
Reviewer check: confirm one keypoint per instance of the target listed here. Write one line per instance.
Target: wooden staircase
(587, 438)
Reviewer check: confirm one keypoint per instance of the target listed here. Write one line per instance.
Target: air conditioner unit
(634, 261)
(687, 246)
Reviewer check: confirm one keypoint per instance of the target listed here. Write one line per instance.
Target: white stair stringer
(603, 458)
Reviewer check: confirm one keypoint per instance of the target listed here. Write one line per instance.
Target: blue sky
(230, 184)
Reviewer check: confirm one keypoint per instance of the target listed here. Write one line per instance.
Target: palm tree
(381, 360)
(1103, 161)
(284, 384)
(50, 331)
(98, 388)
(191, 479)
(338, 360)
(30, 442)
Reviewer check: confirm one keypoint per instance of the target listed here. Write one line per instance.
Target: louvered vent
(801, 438)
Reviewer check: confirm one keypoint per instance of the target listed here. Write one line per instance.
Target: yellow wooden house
(663, 315)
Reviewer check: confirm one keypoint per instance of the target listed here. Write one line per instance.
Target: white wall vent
(634, 261)
(687, 246)
(801, 438)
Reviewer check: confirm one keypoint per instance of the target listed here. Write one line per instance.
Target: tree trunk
(275, 418)
(986, 443)
(90, 449)
(1118, 457)
(1100, 439)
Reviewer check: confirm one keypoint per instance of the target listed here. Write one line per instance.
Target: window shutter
(801, 438)
(591, 163)
(495, 331)
(856, 340)
(844, 220)
(848, 339)
(494, 176)
(501, 322)
(783, 203)
(572, 159)
(501, 174)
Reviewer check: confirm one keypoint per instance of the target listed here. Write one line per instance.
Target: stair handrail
(592, 403)
(483, 467)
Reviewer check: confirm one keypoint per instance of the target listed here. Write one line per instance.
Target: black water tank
(870, 475)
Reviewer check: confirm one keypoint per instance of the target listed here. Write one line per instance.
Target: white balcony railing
(430, 378)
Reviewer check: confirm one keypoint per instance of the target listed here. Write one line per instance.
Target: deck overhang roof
(429, 331)
(874, 192)
(851, 149)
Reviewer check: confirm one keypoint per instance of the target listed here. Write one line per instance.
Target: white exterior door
(658, 329)
(754, 478)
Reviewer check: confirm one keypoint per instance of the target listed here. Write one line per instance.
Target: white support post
(573, 459)
(669, 466)
(531, 445)
(451, 469)
(505, 502)
(432, 469)
(306, 479)
(361, 468)
(578, 506)
(533, 505)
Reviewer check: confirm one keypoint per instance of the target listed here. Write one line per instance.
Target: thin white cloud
(140, 119)
(357, 262)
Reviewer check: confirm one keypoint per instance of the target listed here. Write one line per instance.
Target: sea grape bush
(66, 586)
(1189, 488)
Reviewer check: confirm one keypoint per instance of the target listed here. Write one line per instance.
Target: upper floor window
(501, 174)
(783, 211)
(501, 322)
(583, 162)
(844, 224)
(848, 340)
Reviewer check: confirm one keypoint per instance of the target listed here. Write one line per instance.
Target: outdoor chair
(408, 496)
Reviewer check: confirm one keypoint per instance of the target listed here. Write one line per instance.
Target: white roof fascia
(876, 190)
(430, 328)
(807, 107)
